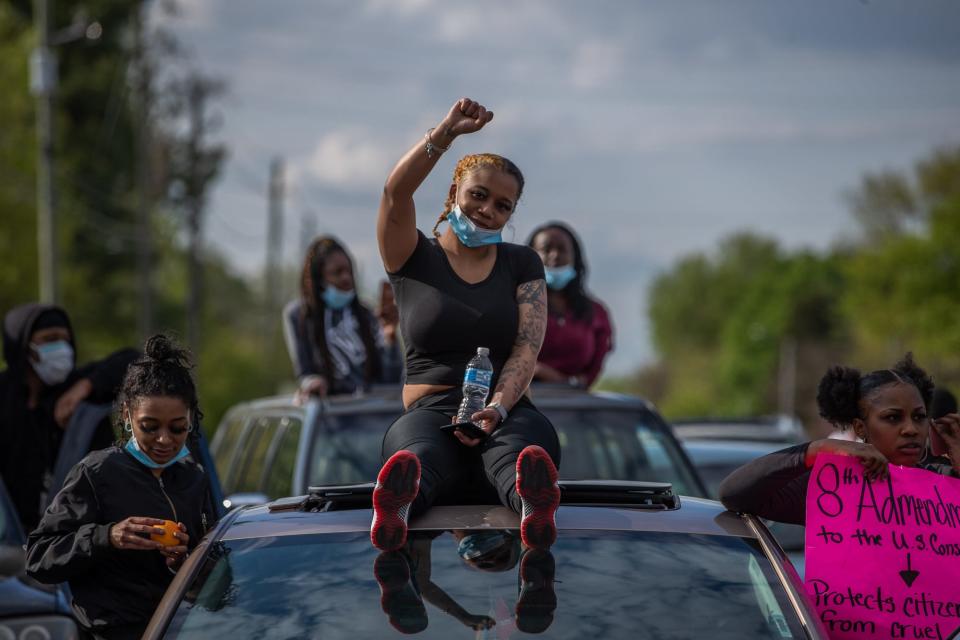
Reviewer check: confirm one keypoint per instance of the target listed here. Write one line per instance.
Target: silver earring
(128, 427)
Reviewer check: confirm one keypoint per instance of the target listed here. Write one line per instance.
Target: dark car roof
(695, 515)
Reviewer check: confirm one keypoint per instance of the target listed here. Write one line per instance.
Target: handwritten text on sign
(883, 557)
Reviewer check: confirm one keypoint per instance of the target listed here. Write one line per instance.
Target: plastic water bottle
(476, 385)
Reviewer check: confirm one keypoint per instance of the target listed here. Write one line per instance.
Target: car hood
(19, 595)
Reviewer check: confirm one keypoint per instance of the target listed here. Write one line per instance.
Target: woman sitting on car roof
(886, 409)
(462, 289)
(336, 344)
(126, 516)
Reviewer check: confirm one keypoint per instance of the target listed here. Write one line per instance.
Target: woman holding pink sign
(888, 411)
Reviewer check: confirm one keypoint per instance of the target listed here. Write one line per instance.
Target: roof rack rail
(646, 495)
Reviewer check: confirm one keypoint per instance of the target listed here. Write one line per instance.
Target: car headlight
(39, 628)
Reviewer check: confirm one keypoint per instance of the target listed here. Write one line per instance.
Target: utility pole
(274, 246)
(308, 230)
(787, 377)
(196, 96)
(144, 226)
(43, 82)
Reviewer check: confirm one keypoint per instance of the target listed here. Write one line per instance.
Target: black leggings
(452, 472)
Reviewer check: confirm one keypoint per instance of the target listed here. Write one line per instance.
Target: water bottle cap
(483, 351)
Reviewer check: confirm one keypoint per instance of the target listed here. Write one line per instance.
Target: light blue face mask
(133, 448)
(559, 277)
(469, 233)
(54, 361)
(337, 299)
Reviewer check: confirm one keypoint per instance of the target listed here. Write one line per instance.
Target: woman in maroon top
(579, 334)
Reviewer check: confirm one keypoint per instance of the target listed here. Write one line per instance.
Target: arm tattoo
(531, 298)
(518, 370)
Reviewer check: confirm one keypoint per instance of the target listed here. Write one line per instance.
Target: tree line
(749, 328)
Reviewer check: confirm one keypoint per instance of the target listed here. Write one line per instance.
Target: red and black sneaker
(398, 599)
(540, 495)
(397, 486)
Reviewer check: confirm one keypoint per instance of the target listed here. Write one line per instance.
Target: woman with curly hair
(127, 515)
(887, 410)
(336, 343)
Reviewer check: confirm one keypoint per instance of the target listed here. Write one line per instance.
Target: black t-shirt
(443, 319)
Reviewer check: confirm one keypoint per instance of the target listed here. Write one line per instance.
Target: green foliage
(96, 131)
(18, 239)
(723, 322)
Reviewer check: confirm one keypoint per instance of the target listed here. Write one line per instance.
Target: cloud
(596, 64)
(350, 159)
(402, 7)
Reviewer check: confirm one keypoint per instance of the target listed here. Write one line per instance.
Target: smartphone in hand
(468, 429)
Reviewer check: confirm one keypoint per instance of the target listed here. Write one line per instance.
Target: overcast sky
(654, 128)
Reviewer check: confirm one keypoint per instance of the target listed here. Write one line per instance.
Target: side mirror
(244, 500)
(13, 559)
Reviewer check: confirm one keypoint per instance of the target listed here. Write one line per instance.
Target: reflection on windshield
(406, 581)
(451, 584)
(598, 444)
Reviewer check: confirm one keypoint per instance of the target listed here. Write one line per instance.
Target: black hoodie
(30, 438)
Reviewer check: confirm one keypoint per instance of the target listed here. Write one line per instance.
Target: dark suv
(271, 448)
(632, 560)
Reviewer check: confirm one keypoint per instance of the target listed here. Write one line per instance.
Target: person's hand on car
(311, 386)
(67, 403)
(133, 534)
(874, 462)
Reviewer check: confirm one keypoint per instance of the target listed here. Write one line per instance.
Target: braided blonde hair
(472, 163)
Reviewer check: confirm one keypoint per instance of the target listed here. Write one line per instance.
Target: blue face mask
(337, 299)
(54, 361)
(470, 234)
(134, 449)
(559, 277)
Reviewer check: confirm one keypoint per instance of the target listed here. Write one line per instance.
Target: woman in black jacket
(96, 534)
(887, 410)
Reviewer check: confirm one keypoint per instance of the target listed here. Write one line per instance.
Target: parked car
(271, 448)
(717, 448)
(28, 610)
(632, 560)
(779, 428)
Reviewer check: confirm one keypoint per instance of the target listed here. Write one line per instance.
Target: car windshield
(597, 444)
(591, 585)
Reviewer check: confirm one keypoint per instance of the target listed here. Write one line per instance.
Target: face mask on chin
(469, 233)
(337, 299)
(54, 361)
(559, 277)
(133, 448)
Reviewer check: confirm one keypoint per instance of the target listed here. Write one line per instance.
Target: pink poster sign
(883, 557)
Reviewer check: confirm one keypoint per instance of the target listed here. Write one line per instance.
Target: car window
(225, 446)
(619, 444)
(255, 450)
(9, 525)
(630, 585)
(278, 475)
(346, 447)
(597, 444)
